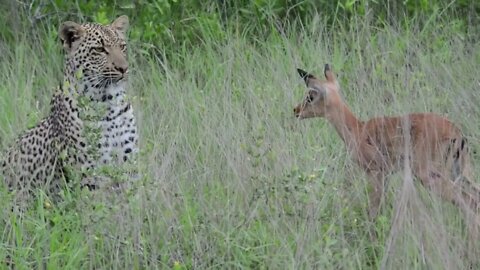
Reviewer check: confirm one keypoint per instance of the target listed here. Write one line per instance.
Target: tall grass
(231, 179)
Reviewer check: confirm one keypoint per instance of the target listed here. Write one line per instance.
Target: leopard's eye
(100, 49)
(123, 47)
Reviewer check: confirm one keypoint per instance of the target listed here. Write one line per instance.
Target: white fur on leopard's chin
(119, 86)
(114, 93)
(117, 91)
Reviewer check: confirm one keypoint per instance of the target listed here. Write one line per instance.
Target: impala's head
(321, 95)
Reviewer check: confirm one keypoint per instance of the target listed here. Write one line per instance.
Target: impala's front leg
(371, 160)
(375, 194)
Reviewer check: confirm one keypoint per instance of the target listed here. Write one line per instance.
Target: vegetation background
(231, 179)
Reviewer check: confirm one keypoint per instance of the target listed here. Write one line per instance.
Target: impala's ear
(121, 25)
(305, 75)
(70, 32)
(329, 74)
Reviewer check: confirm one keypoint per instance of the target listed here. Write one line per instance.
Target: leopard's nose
(122, 69)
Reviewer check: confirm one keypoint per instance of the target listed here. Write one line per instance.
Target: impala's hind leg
(452, 191)
(434, 180)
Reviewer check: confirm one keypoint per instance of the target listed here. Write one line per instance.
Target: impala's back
(434, 143)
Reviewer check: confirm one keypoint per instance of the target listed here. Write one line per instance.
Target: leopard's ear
(70, 32)
(121, 25)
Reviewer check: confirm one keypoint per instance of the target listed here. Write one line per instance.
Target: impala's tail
(458, 159)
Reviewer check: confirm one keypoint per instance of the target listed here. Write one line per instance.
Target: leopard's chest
(115, 122)
(119, 136)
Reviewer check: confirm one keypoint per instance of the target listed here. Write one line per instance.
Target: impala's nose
(296, 111)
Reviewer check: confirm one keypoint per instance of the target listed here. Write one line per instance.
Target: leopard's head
(96, 55)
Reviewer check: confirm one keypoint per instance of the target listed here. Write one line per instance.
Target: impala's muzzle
(297, 110)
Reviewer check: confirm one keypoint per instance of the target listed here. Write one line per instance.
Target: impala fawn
(438, 153)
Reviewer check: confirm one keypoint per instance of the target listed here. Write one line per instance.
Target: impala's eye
(311, 96)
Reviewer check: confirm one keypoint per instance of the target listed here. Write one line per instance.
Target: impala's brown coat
(437, 151)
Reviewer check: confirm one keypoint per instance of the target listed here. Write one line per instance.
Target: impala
(434, 147)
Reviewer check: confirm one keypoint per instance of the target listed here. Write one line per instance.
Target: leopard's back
(37, 159)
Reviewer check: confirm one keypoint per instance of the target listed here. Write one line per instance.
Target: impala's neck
(345, 123)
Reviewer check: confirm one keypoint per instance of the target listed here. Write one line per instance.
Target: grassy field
(231, 179)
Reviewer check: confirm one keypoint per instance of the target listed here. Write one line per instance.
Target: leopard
(39, 157)
(97, 68)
